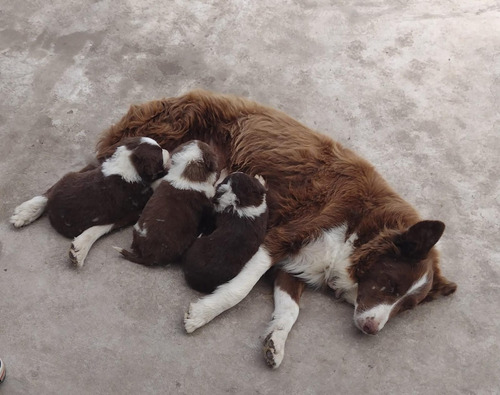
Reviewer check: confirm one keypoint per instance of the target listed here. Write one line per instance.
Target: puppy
(240, 228)
(172, 219)
(88, 204)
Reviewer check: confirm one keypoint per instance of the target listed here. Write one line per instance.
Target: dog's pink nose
(369, 326)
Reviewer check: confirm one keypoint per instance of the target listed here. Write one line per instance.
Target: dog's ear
(440, 287)
(417, 241)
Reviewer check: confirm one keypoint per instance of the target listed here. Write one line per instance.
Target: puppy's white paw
(28, 211)
(195, 317)
(274, 349)
(78, 252)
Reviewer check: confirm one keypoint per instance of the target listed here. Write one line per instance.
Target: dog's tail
(131, 256)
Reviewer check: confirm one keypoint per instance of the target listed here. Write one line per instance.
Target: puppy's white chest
(325, 261)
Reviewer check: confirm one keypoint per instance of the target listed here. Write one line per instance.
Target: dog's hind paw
(274, 351)
(27, 212)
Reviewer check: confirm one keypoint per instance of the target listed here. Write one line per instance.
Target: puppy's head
(193, 166)
(241, 194)
(137, 159)
(149, 159)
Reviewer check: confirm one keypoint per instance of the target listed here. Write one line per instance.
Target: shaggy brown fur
(314, 183)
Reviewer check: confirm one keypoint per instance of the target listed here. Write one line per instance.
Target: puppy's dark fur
(172, 218)
(81, 200)
(215, 259)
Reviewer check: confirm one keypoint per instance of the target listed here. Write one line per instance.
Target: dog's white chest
(325, 261)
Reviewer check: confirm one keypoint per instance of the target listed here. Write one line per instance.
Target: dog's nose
(369, 326)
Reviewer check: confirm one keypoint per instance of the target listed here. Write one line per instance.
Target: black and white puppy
(240, 228)
(88, 204)
(173, 217)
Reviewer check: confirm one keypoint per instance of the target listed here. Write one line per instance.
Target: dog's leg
(287, 292)
(229, 294)
(27, 212)
(82, 244)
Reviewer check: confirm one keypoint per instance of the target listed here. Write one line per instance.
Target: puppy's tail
(131, 256)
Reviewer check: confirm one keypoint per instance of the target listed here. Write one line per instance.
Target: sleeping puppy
(241, 222)
(172, 218)
(88, 204)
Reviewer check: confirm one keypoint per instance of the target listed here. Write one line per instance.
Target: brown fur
(314, 183)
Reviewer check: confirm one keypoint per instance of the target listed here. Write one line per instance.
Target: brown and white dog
(240, 228)
(88, 204)
(333, 220)
(172, 219)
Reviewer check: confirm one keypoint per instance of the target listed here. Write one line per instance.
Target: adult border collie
(333, 220)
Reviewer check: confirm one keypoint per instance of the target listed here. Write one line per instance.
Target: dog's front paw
(195, 317)
(77, 254)
(274, 350)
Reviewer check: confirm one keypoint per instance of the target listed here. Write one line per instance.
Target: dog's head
(137, 159)
(241, 194)
(396, 271)
(193, 166)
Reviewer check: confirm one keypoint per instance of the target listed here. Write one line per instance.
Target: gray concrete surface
(413, 86)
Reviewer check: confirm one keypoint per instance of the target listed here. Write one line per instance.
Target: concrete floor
(413, 86)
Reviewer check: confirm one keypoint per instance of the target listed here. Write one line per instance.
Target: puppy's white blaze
(228, 294)
(166, 156)
(142, 232)
(149, 140)
(326, 260)
(28, 211)
(227, 199)
(252, 211)
(286, 311)
(205, 187)
(179, 161)
(120, 164)
(382, 312)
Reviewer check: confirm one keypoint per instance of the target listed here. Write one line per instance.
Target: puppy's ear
(417, 241)
(148, 162)
(210, 160)
(440, 287)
